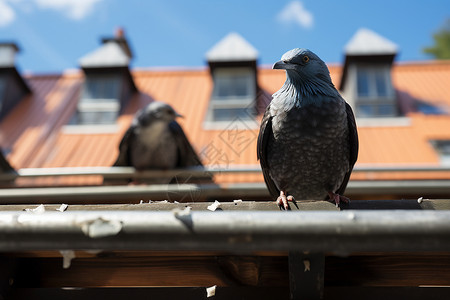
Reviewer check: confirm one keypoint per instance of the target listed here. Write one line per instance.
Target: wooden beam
(306, 275)
(407, 204)
(226, 293)
(108, 270)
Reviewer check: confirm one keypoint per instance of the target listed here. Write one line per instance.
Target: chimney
(12, 86)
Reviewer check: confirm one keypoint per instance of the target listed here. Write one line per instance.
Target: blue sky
(54, 34)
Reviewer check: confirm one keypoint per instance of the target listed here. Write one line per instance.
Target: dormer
(13, 87)
(108, 84)
(232, 63)
(366, 79)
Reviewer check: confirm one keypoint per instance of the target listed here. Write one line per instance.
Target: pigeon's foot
(282, 201)
(336, 198)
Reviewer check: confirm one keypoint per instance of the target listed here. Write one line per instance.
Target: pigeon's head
(157, 111)
(303, 65)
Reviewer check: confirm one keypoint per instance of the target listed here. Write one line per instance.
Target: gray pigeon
(156, 141)
(308, 142)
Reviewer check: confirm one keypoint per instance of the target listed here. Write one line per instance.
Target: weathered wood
(426, 204)
(7, 273)
(107, 269)
(388, 270)
(306, 275)
(185, 293)
(153, 271)
(226, 293)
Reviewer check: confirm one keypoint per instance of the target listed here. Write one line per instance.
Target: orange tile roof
(428, 81)
(32, 131)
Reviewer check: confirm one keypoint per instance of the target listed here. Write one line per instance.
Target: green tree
(441, 47)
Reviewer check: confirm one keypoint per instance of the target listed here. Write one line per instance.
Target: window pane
(227, 114)
(386, 110)
(380, 83)
(233, 85)
(101, 88)
(363, 83)
(240, 86)
(443, 148)
(365, 111)
(96, 117)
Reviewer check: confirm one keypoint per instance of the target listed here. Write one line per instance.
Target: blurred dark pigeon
(6, 169)
(4, 164)
(155, 141)
(308, 142)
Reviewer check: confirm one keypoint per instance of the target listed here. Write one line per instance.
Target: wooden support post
(7, 272)
(306, 275)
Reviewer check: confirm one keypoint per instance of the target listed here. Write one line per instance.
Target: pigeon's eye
(305, 58)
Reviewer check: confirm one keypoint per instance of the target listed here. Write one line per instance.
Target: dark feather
(187, 157)
(264, 136)
(354, 146)
(123, 159)
(4, 164)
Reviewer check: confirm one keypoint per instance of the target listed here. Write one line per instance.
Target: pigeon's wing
(354, 146)
(4, 164)
(265, 132)
(187, 157)
(124, 148)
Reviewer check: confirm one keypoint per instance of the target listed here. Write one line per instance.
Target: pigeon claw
(283, 201)
(336, 198)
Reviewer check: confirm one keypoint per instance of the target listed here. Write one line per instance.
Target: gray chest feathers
(308, 154)
(154, 147)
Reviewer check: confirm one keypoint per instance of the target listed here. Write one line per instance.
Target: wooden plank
(185, 293)
(427, 204)
(388, 270)
(7, 273)
(226, 293)
(153, 271)
(306, 275)
(363, 270)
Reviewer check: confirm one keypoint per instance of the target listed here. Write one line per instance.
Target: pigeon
(4, 164)
(308, 141)
(6, 169)
(155, 141)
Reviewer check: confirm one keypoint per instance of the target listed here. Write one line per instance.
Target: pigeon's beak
(178, 115)
(283, 65)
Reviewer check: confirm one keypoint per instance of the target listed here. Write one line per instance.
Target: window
(99, 102)
(375, 94)
(234, 91)
(443, 148)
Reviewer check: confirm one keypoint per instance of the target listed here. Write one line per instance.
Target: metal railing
(126, 172)
(318, 231)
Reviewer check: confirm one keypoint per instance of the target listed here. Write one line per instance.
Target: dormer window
(234, 91)
(374, 90)
(373, 82)
(99, 102)
(108, 83)
(366, 80)
(443, 149)
(232, 63)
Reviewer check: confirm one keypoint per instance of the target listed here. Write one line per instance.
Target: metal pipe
(237, 231)
(126, 172)
(200, 192)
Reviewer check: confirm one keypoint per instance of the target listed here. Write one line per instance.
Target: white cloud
(7, 14)
(295, 12)
(74, 9)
